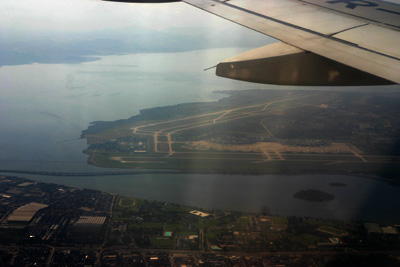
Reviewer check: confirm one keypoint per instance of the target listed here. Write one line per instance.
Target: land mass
(258, 132)
(313, 195)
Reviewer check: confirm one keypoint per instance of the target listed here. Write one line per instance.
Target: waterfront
(360, 199)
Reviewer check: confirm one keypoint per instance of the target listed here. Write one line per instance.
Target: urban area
(46, 224)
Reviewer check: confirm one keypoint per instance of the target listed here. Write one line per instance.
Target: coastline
(361, 199)
(372, 176)
(240, 135)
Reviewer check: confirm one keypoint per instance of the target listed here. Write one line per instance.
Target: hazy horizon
(81, 31)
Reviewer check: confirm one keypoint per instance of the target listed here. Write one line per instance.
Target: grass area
(211, 223)
(10, 235)
(124, 212)
(163, 147)
(220, 155)
(186, 233)
(162, 242)
(279, 220)
(332, 230)
(243, 236)
(182, 147)
(306, 239)
(176, 208)
(243, 222)
(270, 236)
(174, 227)
(152, 225)
(211, 235)
(322, 157)
(383, 159)
(126, 202)
(162, 138)
(118, 131)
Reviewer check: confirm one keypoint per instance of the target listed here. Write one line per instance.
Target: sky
(76, 31)
(90, 15)
(22, 17)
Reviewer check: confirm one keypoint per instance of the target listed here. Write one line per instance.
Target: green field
(127, 202)
(332, 230)
(162, 243)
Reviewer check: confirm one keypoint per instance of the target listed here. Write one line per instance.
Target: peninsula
(258, 132)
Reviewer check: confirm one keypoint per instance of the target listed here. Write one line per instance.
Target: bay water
(44, 108)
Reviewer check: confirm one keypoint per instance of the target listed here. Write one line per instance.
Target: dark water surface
(361, 198)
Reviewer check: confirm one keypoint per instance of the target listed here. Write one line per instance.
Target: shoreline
(141, 171)
(376, 177)
(166, 186)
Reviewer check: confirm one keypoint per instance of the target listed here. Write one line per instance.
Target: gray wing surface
(323, 42)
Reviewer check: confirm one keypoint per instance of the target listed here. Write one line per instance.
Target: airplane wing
(323, 42)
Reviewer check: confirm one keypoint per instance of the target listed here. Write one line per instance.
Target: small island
(337, 184)
(313, 195)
